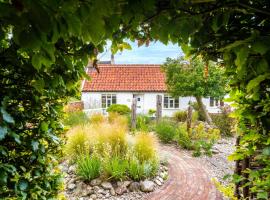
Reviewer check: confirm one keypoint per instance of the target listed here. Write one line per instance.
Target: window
(217, 102)
(170, 102)
(107, 100)
(221, 103)
(211, 101)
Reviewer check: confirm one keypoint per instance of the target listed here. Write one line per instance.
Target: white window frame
(110, 99)
(171, 102)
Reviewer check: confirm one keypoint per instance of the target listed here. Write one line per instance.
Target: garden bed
(76, 188)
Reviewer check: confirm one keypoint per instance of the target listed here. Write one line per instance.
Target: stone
(147, 186)
(106, 185)
(72, 169)
(112, 191)
(93, 196)
(71, 186)
(95, 182)
(120, 190)
(134, 187)
(158, 182)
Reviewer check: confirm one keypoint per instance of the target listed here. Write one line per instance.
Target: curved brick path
(188, 179)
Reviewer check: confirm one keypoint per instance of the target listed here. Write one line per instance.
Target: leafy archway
(44, 46)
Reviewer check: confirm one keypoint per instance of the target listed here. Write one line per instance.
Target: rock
(71, 186)
(96, 189)
(158, 182)
(106, 185)
(95, 182)
(112, 191)
(93, 196)
(147, 186)
(72, 169)
(120, 190)
(126, 183)
(134, 187)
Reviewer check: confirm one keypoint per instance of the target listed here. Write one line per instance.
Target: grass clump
(75, 118)
(166, 131)
(180, 116)
(106, 147)
(88, 167)
(97, 118)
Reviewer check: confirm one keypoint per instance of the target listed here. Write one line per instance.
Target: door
(139, 98)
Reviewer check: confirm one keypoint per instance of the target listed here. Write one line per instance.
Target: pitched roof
(133, 77)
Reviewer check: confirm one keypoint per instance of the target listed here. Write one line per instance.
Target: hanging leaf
(7, 117)
(3, 132)
(256, 81)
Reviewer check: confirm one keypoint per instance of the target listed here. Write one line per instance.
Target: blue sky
(155, 53)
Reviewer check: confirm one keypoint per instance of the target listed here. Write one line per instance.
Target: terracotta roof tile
(126, 78)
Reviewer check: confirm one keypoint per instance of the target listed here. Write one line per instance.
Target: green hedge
(119, 108)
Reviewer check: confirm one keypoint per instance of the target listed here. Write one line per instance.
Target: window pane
(165, 102)
(103, 101)
(113, 99)
(176, 102)
(216, 102)
(109, 102)
(211, 101)
(171, 103)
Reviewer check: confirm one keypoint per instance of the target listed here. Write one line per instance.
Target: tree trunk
(203, 109)
(189, 118)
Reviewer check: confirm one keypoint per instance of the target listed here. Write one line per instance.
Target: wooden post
(159, 108)
(133, 113)
(189, 118)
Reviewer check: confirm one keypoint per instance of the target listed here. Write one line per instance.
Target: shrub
(75, 118)
(119, 108)
(180, 116)
(224, 122)
(184, 139)
(116, 168)
(145, 147)
(195, 116)
(78, 143)
(166, 131)
(97, 118)
(151, 112)
(88, 167)
(202, 146)
(196, 107)
(142, 122)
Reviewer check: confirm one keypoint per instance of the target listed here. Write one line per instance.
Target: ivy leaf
(3, 177)
(38, 85)
(23, 185)
(3, 132)
(16, 137)
(262, 195)
(256, 81)
(266, 151)
(36, 61)
(44, 126)
(34, 145)
(242, 55)
(7, 117)
(260, 47)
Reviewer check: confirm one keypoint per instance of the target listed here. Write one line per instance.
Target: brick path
(188, 179)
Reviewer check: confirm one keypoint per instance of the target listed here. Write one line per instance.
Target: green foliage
(166, 131)
(187, 78)
(184, 139)
(142, 122)
(224, 122)
(151, 112)
(116, 168)
(119, 108)
(180, 116)
(198, 110)
(75, 118)
(136, 170)
(202, 146)
(88, 167)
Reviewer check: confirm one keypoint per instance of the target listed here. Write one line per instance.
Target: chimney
(112, 59)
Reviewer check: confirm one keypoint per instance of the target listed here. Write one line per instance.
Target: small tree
(195, 78)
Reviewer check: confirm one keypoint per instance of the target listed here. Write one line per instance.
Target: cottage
(119, 84)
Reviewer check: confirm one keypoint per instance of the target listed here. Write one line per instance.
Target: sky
(155, 53)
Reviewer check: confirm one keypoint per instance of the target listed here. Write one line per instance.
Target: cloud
(155, 53)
